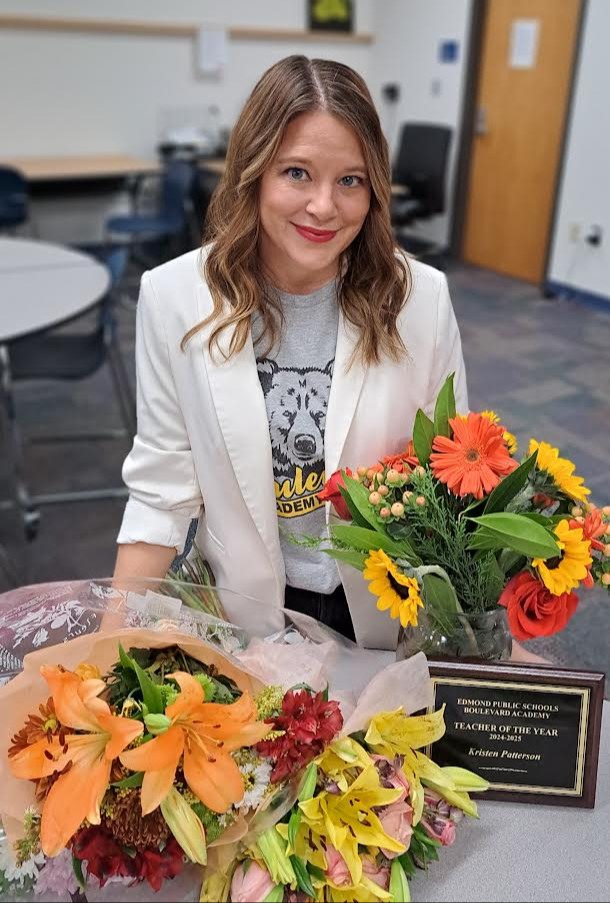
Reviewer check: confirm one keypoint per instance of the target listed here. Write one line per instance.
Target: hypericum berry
(385, 512)
(397, 509)
(420, 500)
(406, 496)
(392, 476)
(375, 498)
(383, 490)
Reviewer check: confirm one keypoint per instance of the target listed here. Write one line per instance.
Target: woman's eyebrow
(305, 161)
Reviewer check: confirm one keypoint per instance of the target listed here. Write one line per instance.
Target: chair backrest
(175, 190)
(421, 163)
(13, 197)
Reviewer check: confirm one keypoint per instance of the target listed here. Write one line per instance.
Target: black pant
(331, 609)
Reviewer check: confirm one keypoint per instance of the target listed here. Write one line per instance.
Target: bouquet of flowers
(127, 763)
(370, 810)
(456, 525)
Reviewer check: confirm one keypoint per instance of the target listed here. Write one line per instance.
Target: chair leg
(14, 443)
(122, 387)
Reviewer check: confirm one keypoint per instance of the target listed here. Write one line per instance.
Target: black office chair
(67, 352)
(421, 167)
(13, 199)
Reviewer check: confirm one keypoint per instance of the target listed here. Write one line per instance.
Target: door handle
(480, 121)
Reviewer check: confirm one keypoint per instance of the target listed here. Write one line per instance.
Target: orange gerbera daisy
(475, 460)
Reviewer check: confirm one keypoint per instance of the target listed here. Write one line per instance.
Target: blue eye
(296, 174)
(351, 181)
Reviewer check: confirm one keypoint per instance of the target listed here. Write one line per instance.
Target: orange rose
(534, 611)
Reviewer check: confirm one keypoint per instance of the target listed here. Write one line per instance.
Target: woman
(300, 340)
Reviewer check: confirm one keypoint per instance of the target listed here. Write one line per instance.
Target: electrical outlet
(574, 232)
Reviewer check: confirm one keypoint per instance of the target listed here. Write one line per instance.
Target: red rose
(331, 493)
(533, 611)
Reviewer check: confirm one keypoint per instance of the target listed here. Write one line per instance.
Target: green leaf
(508, 488)
(316, 872)
(357, 518)
(444, 410)
(399, 887)
(347, 556)
(293, 827)
(516, 532)
(303, 879)
(275, 895)
(359, 496)
(309, 783)
(125, 660)
(151, 693)
(365, 540)
(510, 561)
(423, 435)
(77, 868)
(440, 601)
(134, 780)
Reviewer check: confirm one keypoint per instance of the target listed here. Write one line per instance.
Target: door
(525, 76)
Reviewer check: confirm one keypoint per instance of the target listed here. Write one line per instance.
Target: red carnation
(308, 724)
(331, 493)
(533, 611)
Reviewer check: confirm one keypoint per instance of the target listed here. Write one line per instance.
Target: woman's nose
(321, 203)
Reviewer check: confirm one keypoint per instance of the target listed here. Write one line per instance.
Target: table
(88, 167)
(43, 284)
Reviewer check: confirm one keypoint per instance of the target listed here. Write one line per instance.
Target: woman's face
(314, 198)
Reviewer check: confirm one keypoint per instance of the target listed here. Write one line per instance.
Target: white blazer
(203, 448)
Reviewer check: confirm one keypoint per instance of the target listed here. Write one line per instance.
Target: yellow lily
(206, 733)
(346, 820)
(341, 757)
(84, 759)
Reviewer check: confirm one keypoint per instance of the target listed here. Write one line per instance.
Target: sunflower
(560, 470)
(475, 460)
(395, 591)
(560, 575)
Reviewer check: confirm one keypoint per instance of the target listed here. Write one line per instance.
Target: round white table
(43, 284)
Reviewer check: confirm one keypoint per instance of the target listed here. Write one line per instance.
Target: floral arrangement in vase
(455, 529)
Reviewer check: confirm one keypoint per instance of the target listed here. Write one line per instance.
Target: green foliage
(422, 851)
(444, 410)
(423, 436)
(364, 540)
(514, 531)
(150, 668)
(357, 497)
(507, 489)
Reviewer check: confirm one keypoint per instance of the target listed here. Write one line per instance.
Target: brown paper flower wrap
(26, 691)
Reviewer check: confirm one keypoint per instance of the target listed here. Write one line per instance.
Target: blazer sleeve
(164, 493)
(448, 356)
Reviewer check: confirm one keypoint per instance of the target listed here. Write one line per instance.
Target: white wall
(86, 93)
(584, 198)
(408, 33)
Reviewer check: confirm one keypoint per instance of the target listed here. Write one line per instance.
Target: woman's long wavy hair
(375, 280)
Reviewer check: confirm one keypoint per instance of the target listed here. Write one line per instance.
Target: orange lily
(86, 757)
(206, 733)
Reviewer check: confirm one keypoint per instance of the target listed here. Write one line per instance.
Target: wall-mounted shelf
(173, 30)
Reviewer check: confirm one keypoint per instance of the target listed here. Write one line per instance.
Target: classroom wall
(584, 195)
(406, 52)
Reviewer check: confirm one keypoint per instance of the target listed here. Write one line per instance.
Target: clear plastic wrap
(275, 645)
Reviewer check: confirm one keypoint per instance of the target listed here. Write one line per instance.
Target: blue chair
(171, 220)
(72, 351)
(13, 198)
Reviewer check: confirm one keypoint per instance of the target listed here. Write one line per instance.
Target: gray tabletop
(42, 284)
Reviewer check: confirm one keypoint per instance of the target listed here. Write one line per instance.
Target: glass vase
(484, 635)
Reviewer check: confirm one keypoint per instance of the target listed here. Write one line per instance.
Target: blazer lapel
(344, 394)
(242, 416)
